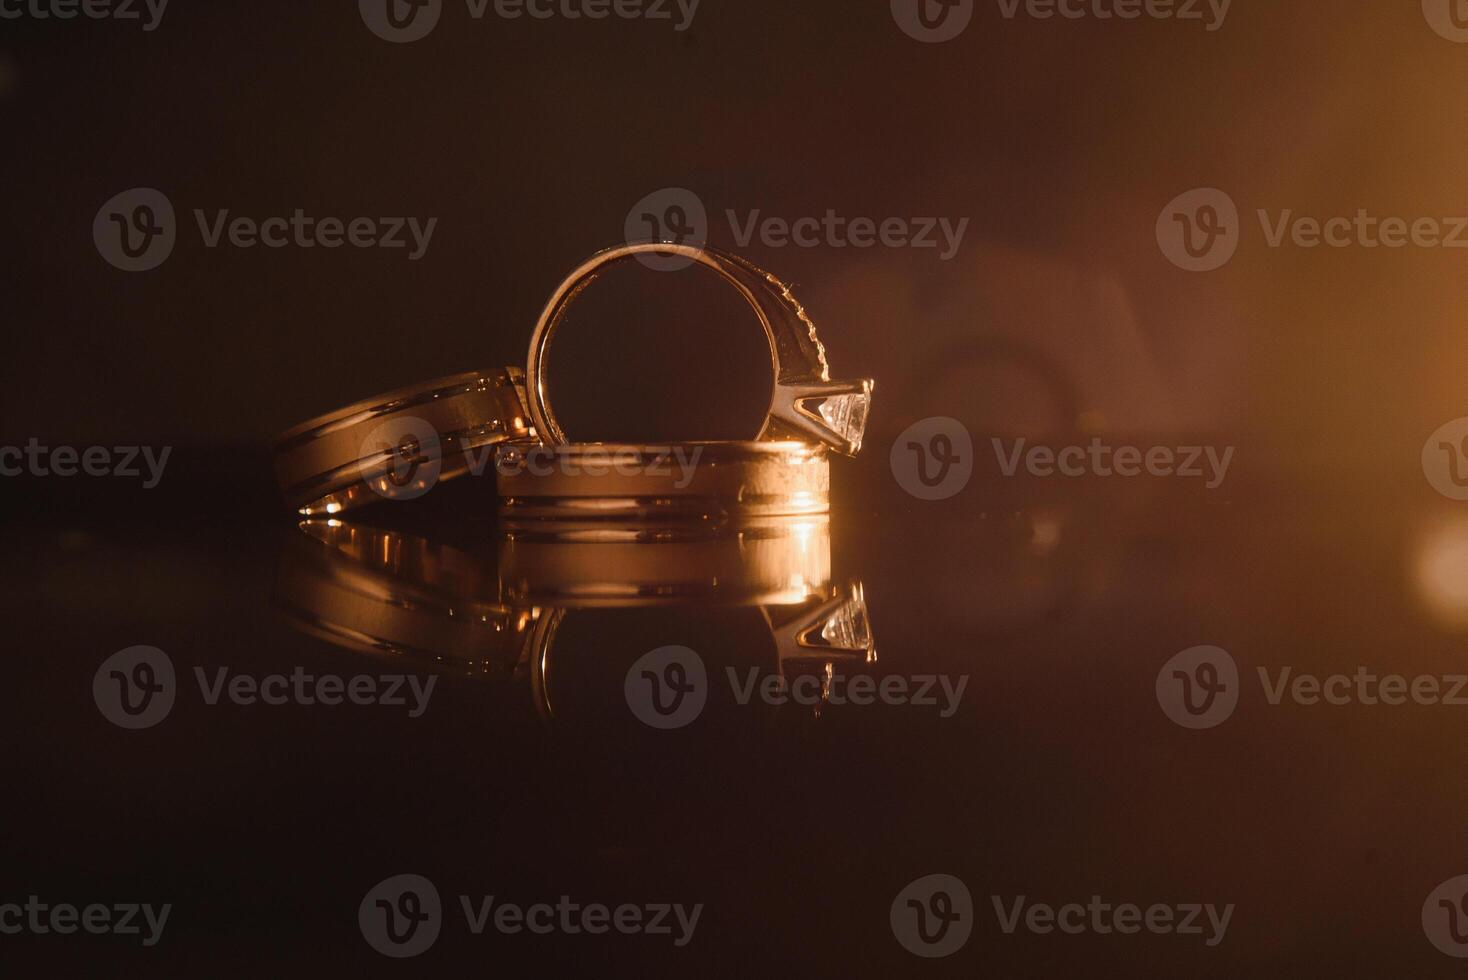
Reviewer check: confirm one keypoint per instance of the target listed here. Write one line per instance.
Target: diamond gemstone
(848, 627)
(847, 415)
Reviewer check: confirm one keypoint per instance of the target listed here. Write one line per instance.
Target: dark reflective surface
(529, 776)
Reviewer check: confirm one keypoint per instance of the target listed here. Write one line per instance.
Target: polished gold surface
(803, 394)
(357, 454)
(709, 482)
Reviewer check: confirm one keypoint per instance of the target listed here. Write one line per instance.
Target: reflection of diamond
(848, 628)
(847, 415)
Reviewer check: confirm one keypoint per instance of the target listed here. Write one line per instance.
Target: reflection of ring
(390, 594)
(703, 481)
(804, 402)
(370, 450)
(829, 627)
(386, 593)
(778, 561)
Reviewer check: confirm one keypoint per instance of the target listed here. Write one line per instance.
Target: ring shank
(796, 355)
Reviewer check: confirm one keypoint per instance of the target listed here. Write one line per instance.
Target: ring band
(399, 444)
(804, 402)
(712, 482)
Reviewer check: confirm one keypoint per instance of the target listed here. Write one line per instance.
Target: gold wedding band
(713, 482)
(399, 444)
